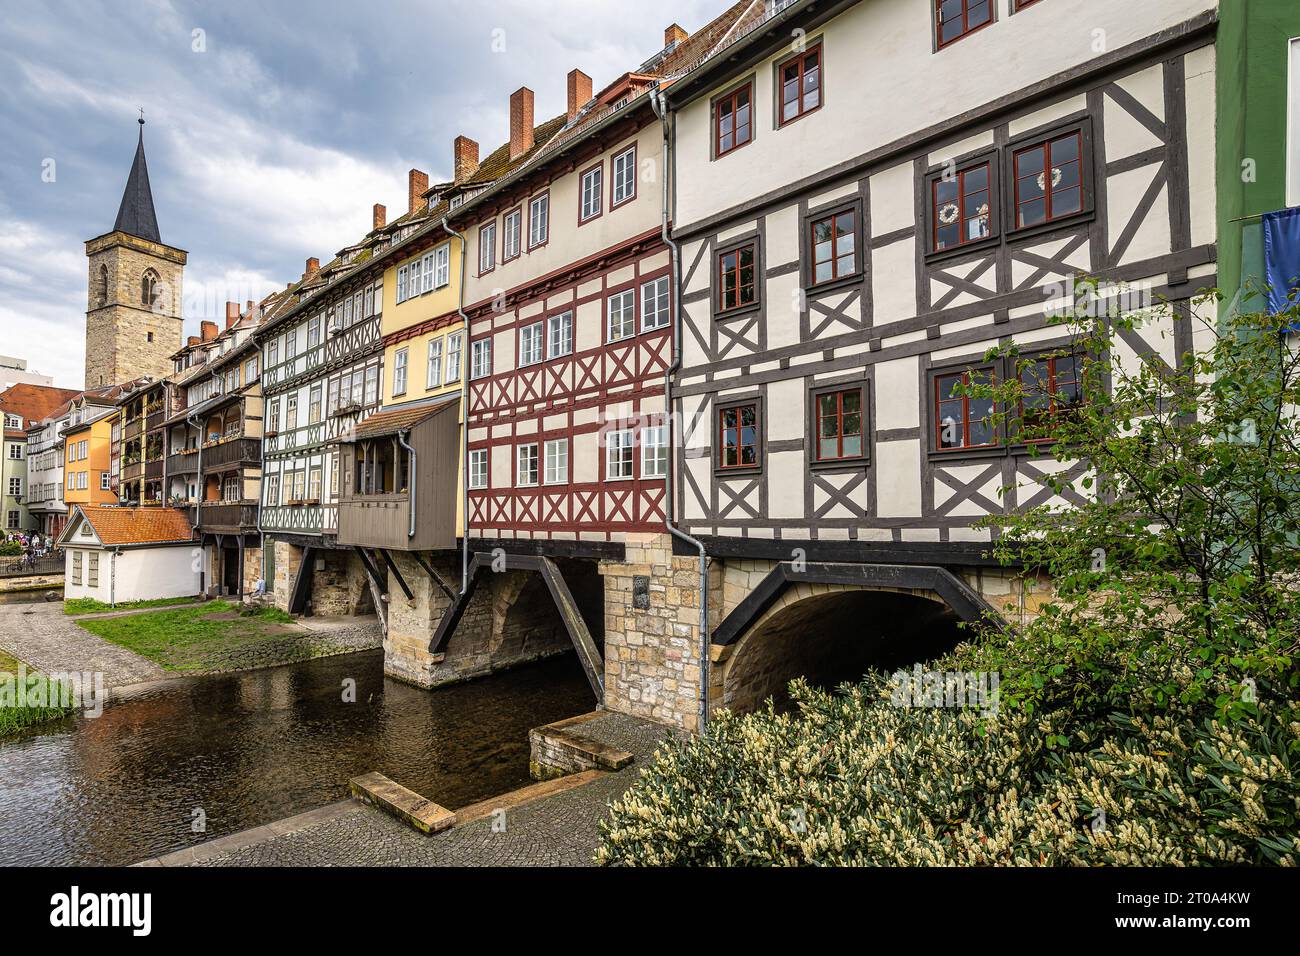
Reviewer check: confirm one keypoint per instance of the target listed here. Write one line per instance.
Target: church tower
(133, 310)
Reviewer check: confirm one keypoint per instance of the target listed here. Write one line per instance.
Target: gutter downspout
(410, 482)
(464, 414)
(198, 510)
(657, 103)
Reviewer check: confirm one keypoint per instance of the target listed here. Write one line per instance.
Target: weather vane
(141, 120)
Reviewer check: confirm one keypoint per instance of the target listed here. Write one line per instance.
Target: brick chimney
(579, 92)
(232, 313)
(464, 158)
(193, 340)
(207, 330)
(379, 216)
(313, 267)
(674, 34)
(417, 184)
(521, 122)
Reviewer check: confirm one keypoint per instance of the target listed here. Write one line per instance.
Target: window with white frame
(618, 455)
(83, 479)
(592, 183)
(539, 220)
(654, 304)
(526, 465)
(402, 273)
(654, 451)
(622, 315)
(272, 490)
(16, 451)
(372, 384)
(530, 344)
(427, 271)
(480, 358)
(453, 356)
(442, 265)
(559, 335)
(313, 331)
(433, 376)
(487, 251)
(478, 468)
(103, 481)
(624, 172)
(414, 282)
(399, 372)
(510, 226)
(273, 416)
(556, 461)
(15, 486)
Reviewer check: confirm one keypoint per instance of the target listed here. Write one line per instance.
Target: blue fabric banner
(1281, 257)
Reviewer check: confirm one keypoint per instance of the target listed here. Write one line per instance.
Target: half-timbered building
(869, 194)
(567, 299)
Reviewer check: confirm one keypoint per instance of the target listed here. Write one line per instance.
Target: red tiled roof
(32, 403)
(121, 526)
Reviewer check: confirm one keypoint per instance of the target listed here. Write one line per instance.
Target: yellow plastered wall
(438, 310)
(98, 437)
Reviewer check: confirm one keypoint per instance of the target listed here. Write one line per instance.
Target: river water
(241, 750)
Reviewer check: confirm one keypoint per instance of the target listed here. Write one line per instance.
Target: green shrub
(10, 549)
(851, 779)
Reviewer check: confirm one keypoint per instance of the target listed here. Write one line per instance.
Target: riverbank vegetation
(1149, 714)
(213, 637)
(16, 710)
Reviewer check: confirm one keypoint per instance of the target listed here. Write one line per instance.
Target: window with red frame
(734, 124)
(738, 436)
(1049, 180)
(736, 279)
(959, 420)
(1021, 4)
(801, 86)
(839, 425)
(961, 208)
(1050, 387)
(834, 252)
(960, 17)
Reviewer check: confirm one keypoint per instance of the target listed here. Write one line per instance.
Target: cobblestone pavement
(48, 640)
(558, 830)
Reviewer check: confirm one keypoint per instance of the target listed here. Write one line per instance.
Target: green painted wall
(1252, 53)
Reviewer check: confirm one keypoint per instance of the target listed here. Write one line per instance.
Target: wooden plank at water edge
(407, 805)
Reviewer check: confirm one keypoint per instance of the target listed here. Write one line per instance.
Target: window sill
(840, 464)
(737, 312)
(830, 285)
(965, 249)
(968, 454)
(1041, 228)
(747, 472)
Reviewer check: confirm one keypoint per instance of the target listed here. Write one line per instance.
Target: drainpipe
(112, 577)
(660, 108)
(198, 508)
(464, 414)
(410, 482)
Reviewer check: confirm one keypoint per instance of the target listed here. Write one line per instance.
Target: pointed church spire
(136, 216)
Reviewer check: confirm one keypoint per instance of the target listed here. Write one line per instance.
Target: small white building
(116, 554)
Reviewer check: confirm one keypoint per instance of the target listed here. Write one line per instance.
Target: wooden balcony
(132, 429)
(232, 451)
(183, 464)
(153, 468)
(132, 470)
(232, 516)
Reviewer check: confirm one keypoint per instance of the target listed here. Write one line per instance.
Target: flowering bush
(850, 779)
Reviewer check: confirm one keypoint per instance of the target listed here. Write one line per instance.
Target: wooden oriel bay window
(959, 420)
(737, 285)
(738, 436)
(839, 425)
(956, 18)
(733, 120)
(1048, 180)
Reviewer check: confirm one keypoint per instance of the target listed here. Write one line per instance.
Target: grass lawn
(217, 636)
(14, 718)
(91, 606)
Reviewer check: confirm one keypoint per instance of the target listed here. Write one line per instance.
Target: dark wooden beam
(302, 583)
(392, 568)
(372, 570)
(434, 576)
(593, 664)
(451, 617)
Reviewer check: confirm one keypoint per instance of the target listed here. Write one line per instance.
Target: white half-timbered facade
(322, 372)
(872, 194)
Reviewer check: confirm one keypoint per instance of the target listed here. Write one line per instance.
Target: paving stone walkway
(48, 640)
(557, 830)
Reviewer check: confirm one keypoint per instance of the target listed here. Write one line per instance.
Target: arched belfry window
(103, 285)
(149, 290)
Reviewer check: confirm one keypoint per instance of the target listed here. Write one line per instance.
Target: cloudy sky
(272, 127)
